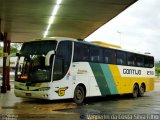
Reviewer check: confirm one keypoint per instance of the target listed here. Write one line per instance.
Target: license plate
(28, 94)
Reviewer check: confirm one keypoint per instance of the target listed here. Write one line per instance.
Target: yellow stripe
(125, 84)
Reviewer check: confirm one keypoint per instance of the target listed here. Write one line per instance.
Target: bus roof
(103, 44)
(58, 38)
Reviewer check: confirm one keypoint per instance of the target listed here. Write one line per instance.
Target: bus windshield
(38, 48)
(32, 68)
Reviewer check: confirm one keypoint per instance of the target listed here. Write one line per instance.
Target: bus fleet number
(150, 72)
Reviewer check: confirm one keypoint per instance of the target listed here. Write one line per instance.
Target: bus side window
(131, 59)
(148, 62)
(81, 52)
(151, 63)
(108, 56)
(106, 59)
(95, 54)
(140, 60)
(121, 58)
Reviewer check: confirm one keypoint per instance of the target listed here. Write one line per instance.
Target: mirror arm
(47, 59)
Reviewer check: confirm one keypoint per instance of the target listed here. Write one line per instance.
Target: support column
(5, 54)
(8, 67)
(6, 61)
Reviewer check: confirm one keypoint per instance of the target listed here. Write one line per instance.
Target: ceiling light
(45, 34)
(58, 2)
(52, 17)
(48, 27)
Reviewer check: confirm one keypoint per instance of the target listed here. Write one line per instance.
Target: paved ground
(110, 107)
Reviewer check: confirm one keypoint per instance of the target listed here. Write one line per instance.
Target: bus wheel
(135, 91)
(141, 90)
(79, 95)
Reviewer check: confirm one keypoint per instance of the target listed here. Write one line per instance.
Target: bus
(65, 68)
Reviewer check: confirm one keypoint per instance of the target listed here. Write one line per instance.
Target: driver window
(63, 58)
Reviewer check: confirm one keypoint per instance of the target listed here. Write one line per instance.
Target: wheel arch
(84, 87)
(136, 83)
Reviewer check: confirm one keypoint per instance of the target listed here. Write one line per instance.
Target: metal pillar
(8, 67)
(6, 63)
(5, 54)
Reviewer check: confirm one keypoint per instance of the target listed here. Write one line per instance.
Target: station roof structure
(25, 20)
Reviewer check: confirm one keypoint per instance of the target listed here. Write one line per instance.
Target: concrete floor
(14, 108)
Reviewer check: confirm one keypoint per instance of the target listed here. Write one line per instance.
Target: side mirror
(48, 56)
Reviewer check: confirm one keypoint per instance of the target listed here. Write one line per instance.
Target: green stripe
(109, 79)
(100, 78)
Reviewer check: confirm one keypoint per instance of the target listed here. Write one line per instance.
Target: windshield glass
(31, 66)
(38, 47)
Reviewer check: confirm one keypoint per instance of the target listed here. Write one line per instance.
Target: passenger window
(148, 62)
(81, 52)
(130, 59)
(95, 54)
(109, 56)
(140, 60)
(121, 58)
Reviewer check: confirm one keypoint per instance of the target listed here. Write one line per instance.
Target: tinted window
(131, 59)
(63, 59)
(149, 62)
(121, 58)
(95, 54)
(140, 60)
(81, 52)
(38, 47)
(65, 51)
(109, 56)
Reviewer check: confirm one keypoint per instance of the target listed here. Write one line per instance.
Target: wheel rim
(79, 95)
(141, 90)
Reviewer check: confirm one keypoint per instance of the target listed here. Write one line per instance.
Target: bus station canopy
(25, 20)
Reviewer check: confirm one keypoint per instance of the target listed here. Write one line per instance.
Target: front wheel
(79, 95)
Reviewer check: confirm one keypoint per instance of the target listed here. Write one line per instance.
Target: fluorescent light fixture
(51, 20)
(52, 17)
(54, 12)
(48, 27)
(58, 2)
(45, 34)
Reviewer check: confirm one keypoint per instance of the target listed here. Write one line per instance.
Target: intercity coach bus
(61, 68)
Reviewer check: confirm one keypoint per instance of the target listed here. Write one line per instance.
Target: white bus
(62, 68)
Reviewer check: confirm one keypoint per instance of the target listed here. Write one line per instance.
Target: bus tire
(135, 91)
(142, 90)
(79, 95)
